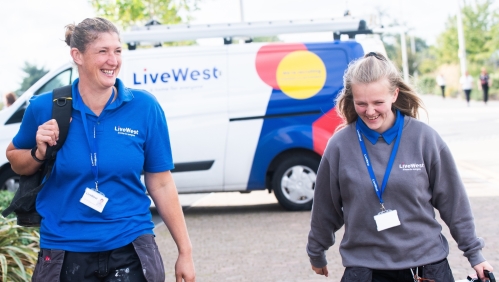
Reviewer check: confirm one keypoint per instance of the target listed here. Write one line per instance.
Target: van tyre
(294, 182)
(9, 180)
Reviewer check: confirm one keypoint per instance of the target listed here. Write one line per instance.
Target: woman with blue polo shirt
(96, 224)
(381, 176)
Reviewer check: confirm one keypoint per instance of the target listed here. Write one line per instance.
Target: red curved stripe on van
(323, 128)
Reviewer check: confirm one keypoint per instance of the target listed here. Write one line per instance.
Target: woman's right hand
(47, 135)
(479, 268)
(321, 270)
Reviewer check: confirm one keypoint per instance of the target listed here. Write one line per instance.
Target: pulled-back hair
(79, 36)
(372, 68)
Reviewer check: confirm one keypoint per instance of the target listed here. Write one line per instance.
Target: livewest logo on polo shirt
(126, 131)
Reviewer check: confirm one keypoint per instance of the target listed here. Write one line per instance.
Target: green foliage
(426, 84)
(19, 246)
(447, 44)
(126, 13)
(266, 39)
(494, 88)
(480, 26)
(494, 77)
(33, 74)
(428, 63)
(415, 60)
(180, 43)
(5, 199)
(391, 50)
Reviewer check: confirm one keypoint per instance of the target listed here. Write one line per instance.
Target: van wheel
(9, 180)
(294, 182)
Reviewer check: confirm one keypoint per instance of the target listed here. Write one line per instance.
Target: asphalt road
(249, 237)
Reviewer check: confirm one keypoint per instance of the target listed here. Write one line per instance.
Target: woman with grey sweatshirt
(381, 175)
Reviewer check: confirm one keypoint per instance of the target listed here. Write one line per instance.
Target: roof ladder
(170, 33)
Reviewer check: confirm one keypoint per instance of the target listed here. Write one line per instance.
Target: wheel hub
(298, 184)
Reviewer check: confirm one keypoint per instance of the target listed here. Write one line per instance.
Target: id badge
(387, 219)
(94, 200)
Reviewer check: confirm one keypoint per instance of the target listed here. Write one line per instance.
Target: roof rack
(169, 33)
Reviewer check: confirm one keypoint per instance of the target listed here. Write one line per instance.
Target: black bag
(490, 275)
(24, 201)
(487, 274)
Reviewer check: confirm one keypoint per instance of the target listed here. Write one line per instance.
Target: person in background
(9, 99)
(485, 84)
(381, 176)
(467, 85)
(96, 223)
(441, 84)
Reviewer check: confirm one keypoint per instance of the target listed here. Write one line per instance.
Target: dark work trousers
(485, 89)
(468, 94)
(439, 272)
(443, 90)
(138, 261)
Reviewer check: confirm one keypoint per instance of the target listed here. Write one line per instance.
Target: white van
(241, 117)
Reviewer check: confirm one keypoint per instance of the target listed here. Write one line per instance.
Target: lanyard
(379, 192)
(92, 142)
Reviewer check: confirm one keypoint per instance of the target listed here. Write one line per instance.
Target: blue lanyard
(379, 192)
(92, 142)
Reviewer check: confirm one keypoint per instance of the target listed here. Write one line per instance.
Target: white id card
(387, 219)
(94, 199)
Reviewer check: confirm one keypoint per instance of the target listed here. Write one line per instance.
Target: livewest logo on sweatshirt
(413, 166)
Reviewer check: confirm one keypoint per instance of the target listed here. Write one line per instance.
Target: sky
(33, 30)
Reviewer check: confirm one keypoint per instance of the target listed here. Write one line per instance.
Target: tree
(127, 13)
(266, 39)
(480, 25)
(414, 59)
(33, 74)
(392, 43)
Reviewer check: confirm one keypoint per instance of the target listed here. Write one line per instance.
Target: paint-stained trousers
(139, 261)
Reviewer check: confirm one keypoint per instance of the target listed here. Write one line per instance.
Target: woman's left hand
(184, 268)
(479, 268)
(321, 270)
(163, 192)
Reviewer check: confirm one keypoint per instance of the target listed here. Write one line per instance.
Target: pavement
(249, 237)
(473, 138)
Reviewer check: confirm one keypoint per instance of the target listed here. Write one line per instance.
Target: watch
(33, 154)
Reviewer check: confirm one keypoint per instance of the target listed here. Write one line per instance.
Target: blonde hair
(371, 68)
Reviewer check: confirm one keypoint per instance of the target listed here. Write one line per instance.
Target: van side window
(62, 79)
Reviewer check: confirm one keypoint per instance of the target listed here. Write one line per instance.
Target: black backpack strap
(62, 105)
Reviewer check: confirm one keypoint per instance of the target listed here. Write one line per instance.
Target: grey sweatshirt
(424, 176)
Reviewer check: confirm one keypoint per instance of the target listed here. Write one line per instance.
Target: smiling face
(100, 64)
(373, 103)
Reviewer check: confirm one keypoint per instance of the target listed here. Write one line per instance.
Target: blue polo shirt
(131, 136)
